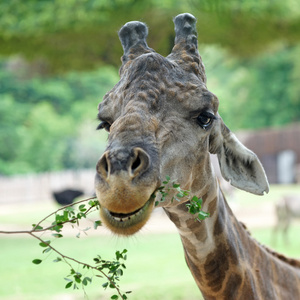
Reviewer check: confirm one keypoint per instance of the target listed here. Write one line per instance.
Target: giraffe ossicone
(163, 121)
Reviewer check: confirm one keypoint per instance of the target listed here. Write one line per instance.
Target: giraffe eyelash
(104, 125)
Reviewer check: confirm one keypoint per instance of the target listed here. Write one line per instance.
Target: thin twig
(62, 208)
(64, 257)
(34, 229)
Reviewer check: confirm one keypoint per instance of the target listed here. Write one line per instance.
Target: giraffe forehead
(154, 72)
(154, 83)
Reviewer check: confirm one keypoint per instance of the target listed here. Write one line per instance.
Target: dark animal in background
(66, 197)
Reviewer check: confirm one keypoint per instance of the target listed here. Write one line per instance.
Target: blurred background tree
(58, 58)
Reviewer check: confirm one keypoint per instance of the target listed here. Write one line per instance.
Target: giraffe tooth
(123, 219)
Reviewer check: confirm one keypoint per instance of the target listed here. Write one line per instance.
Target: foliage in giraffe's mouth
(129, 223)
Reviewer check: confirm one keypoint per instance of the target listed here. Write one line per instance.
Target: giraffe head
(162, 120)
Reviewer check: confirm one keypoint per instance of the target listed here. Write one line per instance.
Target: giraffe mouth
(129, 223)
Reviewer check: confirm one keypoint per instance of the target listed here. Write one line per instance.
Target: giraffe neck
(225, 261)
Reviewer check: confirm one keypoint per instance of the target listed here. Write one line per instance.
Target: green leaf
(112, 285)
(199, 202)
(97, 260)
(81, 215)
(82, 208)
(194, 199)
(203, 215)
(114, 297)
(57, 259)
(58, 219)
(73, 271)
(105, 285)
(92, 203)
(69, 284)
(193, 210)
(68, 279)
(37, 261)
(118, 255)
(45, 244)
(47, 250)
(57, 235)
(37, 227)
(57, 228)
(97, 224)
(120, 272)
(69, 208)
(65, 216)
(86, 280)
(176, 185)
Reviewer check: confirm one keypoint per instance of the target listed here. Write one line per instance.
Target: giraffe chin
(129, 223)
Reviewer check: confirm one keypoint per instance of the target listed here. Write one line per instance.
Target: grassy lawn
(292, 249)
(275, 193)
(156, 267)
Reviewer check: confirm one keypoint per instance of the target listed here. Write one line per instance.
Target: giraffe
(287, 208)
(162, 120)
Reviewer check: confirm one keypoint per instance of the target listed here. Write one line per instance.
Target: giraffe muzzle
(125, 185)
(127, 224)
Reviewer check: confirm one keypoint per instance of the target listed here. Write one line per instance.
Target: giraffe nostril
(140, 162)
(103, 166)
(136, 163)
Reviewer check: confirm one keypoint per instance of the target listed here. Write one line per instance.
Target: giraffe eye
(205, 119)
(104, 125)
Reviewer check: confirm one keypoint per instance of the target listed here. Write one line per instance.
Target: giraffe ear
(239, 165)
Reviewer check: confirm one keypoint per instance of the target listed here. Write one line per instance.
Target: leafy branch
(111, 271)
(194, 205)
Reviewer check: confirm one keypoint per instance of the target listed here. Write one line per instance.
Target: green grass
(266, 237)
(275, 193)
(156, 268)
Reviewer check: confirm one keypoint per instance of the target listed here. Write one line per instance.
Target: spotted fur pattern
(164, 121)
